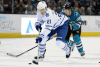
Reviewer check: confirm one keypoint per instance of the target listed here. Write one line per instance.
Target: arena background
(15, 13)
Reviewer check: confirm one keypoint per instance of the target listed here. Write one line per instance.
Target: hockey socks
(67, 49)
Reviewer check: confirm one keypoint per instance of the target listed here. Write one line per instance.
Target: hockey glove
(75, 26)
(39, 38)
(38, 27)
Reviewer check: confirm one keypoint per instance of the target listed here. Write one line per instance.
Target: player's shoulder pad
(48, 12)
(76, 13)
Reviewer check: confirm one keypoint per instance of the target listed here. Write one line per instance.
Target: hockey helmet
(41, 5)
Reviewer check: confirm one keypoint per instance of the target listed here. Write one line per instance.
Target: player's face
(42, 11)
(67, 12)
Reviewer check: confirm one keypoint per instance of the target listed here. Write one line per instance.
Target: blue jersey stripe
(48, 29)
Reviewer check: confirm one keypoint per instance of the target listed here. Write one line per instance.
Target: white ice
(54, 55)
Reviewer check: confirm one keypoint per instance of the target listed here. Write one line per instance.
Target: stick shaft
(38, 51)
(21, 53)
(27, 50)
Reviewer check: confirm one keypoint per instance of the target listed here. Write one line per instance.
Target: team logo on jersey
(47, 14)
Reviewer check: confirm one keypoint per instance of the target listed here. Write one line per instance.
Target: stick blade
(35, 62)
(11, 55)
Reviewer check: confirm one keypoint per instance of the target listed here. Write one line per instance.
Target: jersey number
(48, 21)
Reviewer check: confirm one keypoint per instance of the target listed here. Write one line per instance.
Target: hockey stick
(21, 53)
(25, 51)
(36, 62)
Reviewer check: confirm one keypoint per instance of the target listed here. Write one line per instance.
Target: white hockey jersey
(51, 19)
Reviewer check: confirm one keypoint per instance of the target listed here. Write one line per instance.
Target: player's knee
(60, 43)
(77, 39)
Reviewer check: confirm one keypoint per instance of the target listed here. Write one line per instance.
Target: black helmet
(67, 6)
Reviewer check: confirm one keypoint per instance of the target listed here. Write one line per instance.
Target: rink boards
(16, 26)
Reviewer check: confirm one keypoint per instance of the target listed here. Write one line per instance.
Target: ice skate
(40, 57)
(82, 54)
(67, 56)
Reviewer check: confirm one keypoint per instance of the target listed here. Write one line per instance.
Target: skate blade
(38, 60)
(83, 57)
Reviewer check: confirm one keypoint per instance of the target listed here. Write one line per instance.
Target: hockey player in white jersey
(54, 23)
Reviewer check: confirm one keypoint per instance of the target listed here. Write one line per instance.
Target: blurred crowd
(84, 7)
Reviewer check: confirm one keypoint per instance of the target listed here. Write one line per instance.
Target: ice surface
(54, 55)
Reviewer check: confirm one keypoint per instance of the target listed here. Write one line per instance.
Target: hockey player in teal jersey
(74, 27)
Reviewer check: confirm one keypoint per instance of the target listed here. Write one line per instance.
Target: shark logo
(29, 27)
